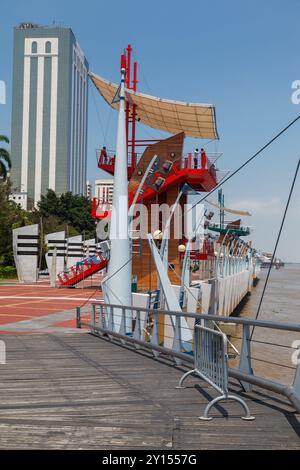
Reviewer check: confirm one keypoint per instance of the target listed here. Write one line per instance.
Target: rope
(107, 279)
(150, 90)
(247, 161)
(276, 244)
(108, 123)
(203, 317)
(268, 343)
(98, 115)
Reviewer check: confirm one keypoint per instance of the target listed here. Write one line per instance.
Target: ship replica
(180, 259)
(266, 260)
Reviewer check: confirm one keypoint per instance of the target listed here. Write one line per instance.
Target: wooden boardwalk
(76, 391)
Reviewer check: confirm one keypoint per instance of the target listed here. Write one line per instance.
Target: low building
(88, 190)
(19, 198)
(104, 190)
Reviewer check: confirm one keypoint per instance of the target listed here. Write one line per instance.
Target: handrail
(238, 320)
(80, 268)
(185, 161)
(112, 320)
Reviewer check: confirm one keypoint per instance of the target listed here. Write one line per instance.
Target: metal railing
(163, 331)
(110, 158)
(186, 161)
(192, 161)
(211, 365)
(80, 268)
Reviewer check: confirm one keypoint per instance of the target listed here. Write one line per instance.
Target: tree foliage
(11, 216)
(5, 161)
(68, 212)
(69, 209)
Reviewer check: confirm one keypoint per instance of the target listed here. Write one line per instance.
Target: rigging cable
(276, 244)
(247, 161)
(160, 132)
(98, 114)
(107, 279)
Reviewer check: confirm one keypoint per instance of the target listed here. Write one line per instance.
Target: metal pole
(127, 56)
(117, 285)
(134, 83)
(78, 320)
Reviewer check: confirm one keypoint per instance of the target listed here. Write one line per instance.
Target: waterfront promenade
(63, 388)
(75, 391)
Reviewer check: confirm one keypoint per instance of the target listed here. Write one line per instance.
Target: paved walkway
(41, 308)
(70, 391)
(44, 324)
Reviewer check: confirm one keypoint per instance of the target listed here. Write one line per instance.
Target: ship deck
(63, 390)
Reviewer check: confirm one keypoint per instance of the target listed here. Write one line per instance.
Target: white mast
(117, 288)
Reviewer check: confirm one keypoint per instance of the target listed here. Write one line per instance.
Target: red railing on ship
(110, 158)
(187, 161)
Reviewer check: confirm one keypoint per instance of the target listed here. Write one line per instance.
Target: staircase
(136, 242)
(82, 270)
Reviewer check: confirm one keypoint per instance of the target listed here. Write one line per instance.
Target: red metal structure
(82, 270)
(131, 82)
(183, 171)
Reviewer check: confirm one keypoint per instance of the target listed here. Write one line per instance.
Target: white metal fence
(211, 365)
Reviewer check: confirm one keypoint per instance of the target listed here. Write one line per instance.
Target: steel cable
(276, 244)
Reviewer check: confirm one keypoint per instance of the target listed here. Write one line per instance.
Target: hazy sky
(242, 56)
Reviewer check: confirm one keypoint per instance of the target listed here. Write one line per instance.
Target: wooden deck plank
(69, 391)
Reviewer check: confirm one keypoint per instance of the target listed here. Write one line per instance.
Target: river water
(281, 303)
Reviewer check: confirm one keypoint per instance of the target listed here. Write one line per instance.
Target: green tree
(67, 212)
(11, 216)
(69, 209)
(5, 161)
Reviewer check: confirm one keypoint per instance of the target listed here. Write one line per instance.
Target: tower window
(34, 47)
(48, 47)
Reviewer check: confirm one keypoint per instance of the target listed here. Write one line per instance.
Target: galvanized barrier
(101, 320)
(211, 365)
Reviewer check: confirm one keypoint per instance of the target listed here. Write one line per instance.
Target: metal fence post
(111, 319)
(78, 311)
(213, 301)
(154, 337)
(245, 357)
(122, 330)
(177, 342)
(93, 317)
(296, 384)
(101, 319)
(137, 333)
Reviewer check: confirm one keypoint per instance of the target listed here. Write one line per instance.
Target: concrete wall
(89, 247)
(56, 239)
(231, 290)
(74, 250)
(25, 249)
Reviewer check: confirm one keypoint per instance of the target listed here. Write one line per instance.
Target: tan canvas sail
(194, 119)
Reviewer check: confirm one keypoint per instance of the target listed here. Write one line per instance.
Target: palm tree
(5, 161)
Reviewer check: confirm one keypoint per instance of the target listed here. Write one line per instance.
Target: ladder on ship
(82, 270)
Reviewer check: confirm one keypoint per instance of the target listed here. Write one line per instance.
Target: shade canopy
(194, 119)
(226, 209)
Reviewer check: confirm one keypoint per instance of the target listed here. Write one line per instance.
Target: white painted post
(117, 284)
(53, 268)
